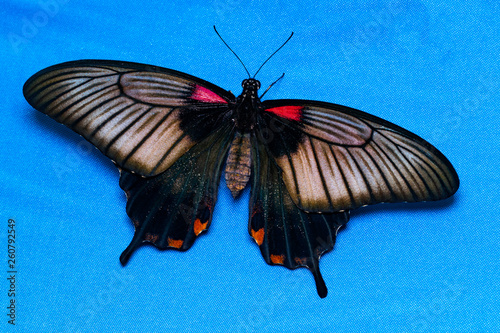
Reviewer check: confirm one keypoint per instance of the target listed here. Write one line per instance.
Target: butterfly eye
(257, 83)
(244, 83)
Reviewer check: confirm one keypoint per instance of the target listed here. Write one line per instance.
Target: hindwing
(287, 235)
(170, 210)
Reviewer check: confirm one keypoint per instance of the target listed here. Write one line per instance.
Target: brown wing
(336, 158)
(142, 117)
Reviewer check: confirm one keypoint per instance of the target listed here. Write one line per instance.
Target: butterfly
(172, 135)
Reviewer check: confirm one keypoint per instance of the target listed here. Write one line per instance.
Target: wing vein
(323, 181)
(146, 137)
(344, 179)
(123, 131)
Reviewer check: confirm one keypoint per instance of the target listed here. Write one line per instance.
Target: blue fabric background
(429, 66)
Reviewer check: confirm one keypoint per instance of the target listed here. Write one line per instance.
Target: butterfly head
(250, 84)
(250, 88)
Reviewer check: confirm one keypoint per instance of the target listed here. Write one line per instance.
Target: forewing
(287, 235)
(335, 158)
(170, 210)
(142, 117)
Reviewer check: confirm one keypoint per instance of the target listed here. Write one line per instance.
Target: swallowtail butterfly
(172, 135)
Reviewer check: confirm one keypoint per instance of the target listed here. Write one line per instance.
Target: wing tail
(287, 235)
(172, 209)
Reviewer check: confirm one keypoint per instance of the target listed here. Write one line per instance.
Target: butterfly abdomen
(238, 162)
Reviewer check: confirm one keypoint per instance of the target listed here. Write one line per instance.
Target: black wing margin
(287, 235)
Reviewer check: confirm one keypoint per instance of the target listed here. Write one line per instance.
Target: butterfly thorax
(239, 158)
(247, 105)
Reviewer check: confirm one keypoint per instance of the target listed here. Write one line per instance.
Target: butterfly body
(238, 163)
(244, 113)
(171, 134)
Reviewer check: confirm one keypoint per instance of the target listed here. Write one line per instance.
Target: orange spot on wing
(258, 236)
(277, 259)
(199, 227)
(151, 237)
(301, 261)
(177, 243)
(257, 208)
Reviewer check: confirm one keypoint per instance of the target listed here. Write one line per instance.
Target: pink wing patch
(203, 94)
(291, 112)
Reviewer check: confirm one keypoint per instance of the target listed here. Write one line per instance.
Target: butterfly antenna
(272, 84)
(230, 49)
(279, 48)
